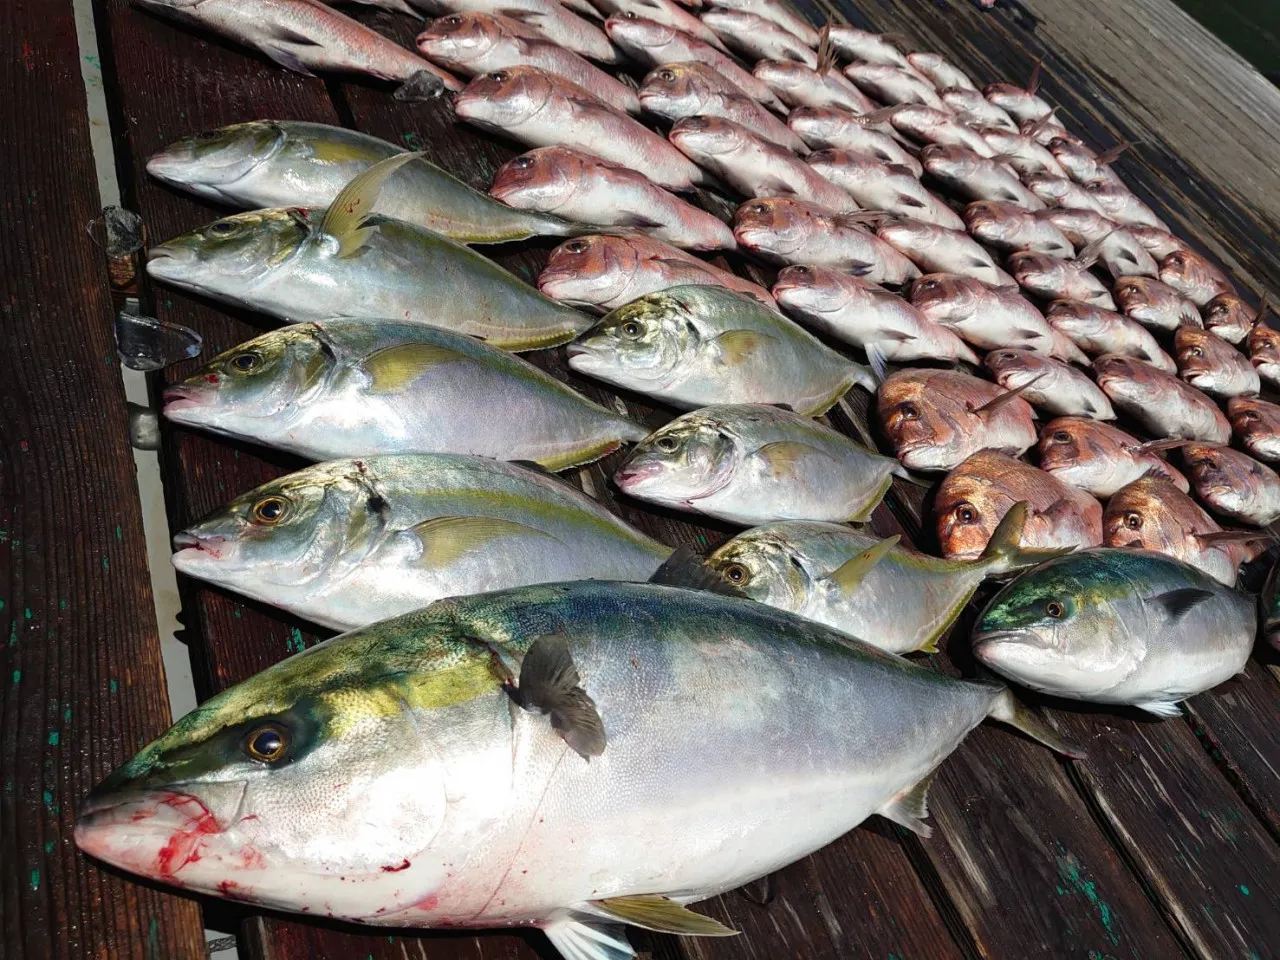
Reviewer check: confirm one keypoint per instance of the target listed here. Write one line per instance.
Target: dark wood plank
(81, 679)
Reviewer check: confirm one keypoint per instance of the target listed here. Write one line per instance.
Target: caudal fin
(1004, 551)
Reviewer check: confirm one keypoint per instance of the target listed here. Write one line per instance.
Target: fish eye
(966, 513)
(909, 411)
(630, 15)
(452, 21)
(928, 284)
(268, 743)
(1249, 416)
(1195, 352)
(1131, 289)
(1061, 436)
(633, 329)
(758, 208)
(576, 246)
(801, 270)
(669, 444)
(500, 76)
(270, 510)
(1133, 519)
(524, 163)
(737, 574)
(224, 228)
(667, 75)
(208, 135)
(246, 361)
(1055, 609)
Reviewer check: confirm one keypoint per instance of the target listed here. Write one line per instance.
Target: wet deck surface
(1163, 843)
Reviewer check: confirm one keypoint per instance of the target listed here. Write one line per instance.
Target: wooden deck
(1163, 843)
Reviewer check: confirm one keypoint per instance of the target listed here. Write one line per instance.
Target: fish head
(906, 233)
(542, 179)
(1074, 317)
(633, 32)
(707, 136)
(1056, 628)
(1253, 420)
(639, 345)
(1227, 314)
(816, 124)
(811, 289)
(944, 297)
(782, 74)
(233, 251)
(1070, 442)
(1184, 268)
(1220, 473)
(968, 509)
(1034, 269)
(215, 158)
(259, 380)
(1138, 296)
(1152, 514)
(1129, 379)
(1007, 96)
(1014, 367)
(764, 566)
(1048, 187)
(504, 98)
(989, 221)
(674, 90)
(288, 535)
(774, 225)
(321, 784)
(921, 425)
(1200, 352)
(460, 37)
(589, 270)
(686, 460)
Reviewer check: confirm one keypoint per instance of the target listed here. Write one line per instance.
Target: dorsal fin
(997, 402)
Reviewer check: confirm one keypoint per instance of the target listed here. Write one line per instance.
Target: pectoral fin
(1178, 603)
(738, 345)
(588, 940)
(346, 215)
(1164, 709)
(996, 403)
(910, 808)
(654, 912)
(782, 458)
(445, 539)
(850, 574)
(549, 682)
(394, 368)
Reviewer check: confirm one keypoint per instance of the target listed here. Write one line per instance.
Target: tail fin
(1004, 551)
(1008, 709)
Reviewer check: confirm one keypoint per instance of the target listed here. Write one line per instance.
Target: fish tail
(1004, 551)
(1006, 708)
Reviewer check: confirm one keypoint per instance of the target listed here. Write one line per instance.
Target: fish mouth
(179, 397)
(191, 548)
(168, 262)
(631, 475)
(985, 645)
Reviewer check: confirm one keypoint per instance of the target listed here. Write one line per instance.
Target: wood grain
(81, 680)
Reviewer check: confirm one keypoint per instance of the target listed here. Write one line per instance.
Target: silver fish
(984, 316)
(868, 47)
(1026, 156)
(799, 85)
(550, 18)
(891, 84)
(1096, 330)
(1155, 304)
(930, 125)
(1011, 226)
(757, 38)
(1056, 279)
(1209, 363)
(936, 249)
(1118, 203)
(664, 12)
(1235, 321)
(1049, 384)
(833, 128)
(883, 186)
(1100, 458)
(777, 11)
(674, 91)
(976, 177)
(941, 72)
(1056, 191)
(1233, 484)
(1160, 402)
(971, 107)
(1195, 277)
(1083, 165)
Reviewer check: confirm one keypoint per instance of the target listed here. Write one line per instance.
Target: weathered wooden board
(81, 680)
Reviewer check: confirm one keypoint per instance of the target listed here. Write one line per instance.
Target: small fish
(986, 317)
(1118, 203)
(749, 464)
(1084, 165)
(1058, 192)
(585, 189)
(941, 72)
(752, 165)
(476, 43)
(971, 107)
(343, 388)
(1209, 363)
(544, 110)
(1156, 304)
(977, 494)
(936, 249)
(655, 44)
(856, 311)
(1082, 226)
(293, 264)
(883, 186)
(1097, 331)
(891, 84)
(1257, 424)
(937, 418)
(827, 128)
(798, 85)
(1234, 321)
(1021, 103)
(605, 272)
(674, 91)
(1011, 226)
(1118, 627)
(550, 18)
(1116, 247)
(757, 38)
(1159, 401)
(793, 231)
(1159, 243)
(1032, 160)
(304, 36)
(1100, 458)
(1194, 277)
(975, 177)
(287, 163)
(348, 542)
(1153, 514)
(861, 585)
(1233, 484)
(868, 47)
(939, 128)
(691, 346)
(779, 12)
(1056, 279)
(664, 12)
(1049, 384)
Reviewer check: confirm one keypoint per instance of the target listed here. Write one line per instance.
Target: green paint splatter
(106, 563)
(17, 676)
(1, 604)
(62, 604)
(49, 805)
(113, 685)
(13, 633)
(153, 938)
(54, 738)
(35, 879)
(1069, 873)
(48, 847)
(93, 61)
(119, 532)
(295, 643)
(412, 140)
(1244, 889)
(66, 715)
(26, 613)
(236, 613)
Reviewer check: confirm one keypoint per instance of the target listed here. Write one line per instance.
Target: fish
(606, 272)
(1058, 192)
(1049, 129)
(1257, 424)
(751, 463)
(551, 19)
(976, 495)
(691, 346)
(348, 388)
(1116, 247)
(541, 109)
(1233, 484)
(478, 43)
(1118, 203)
(986, 317)
(792, 231)
(938, 128)
(1159, 401)
(1011, 226)
(1098, 331)
(936, 418)
(345, 543)
(976, 177)
(833, 128)
(399, 775)
(306, 36)
(1100, 458)
(1083, 165)
(1155, 304)
(1021, 103)
(971, 107)
(1035, 164)
(1158, 242)
(1235, 321)
(883, 186)
(799, 85)
(1081, 225)
(779, 12)
(655, 44)
(1125, 627)
(1049, 384)
(868, 47)
(664, 12)
(941, 72)
(1056, 279)
(1209, 363)
(289, 163)
(757, 38)
(863, 586)
(752, 165)
(1153, 514)
(936, 249)
(296, 265)
(1195, 277)
(674, 91)
(892, 84)
(864, 314)
(585, 189)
